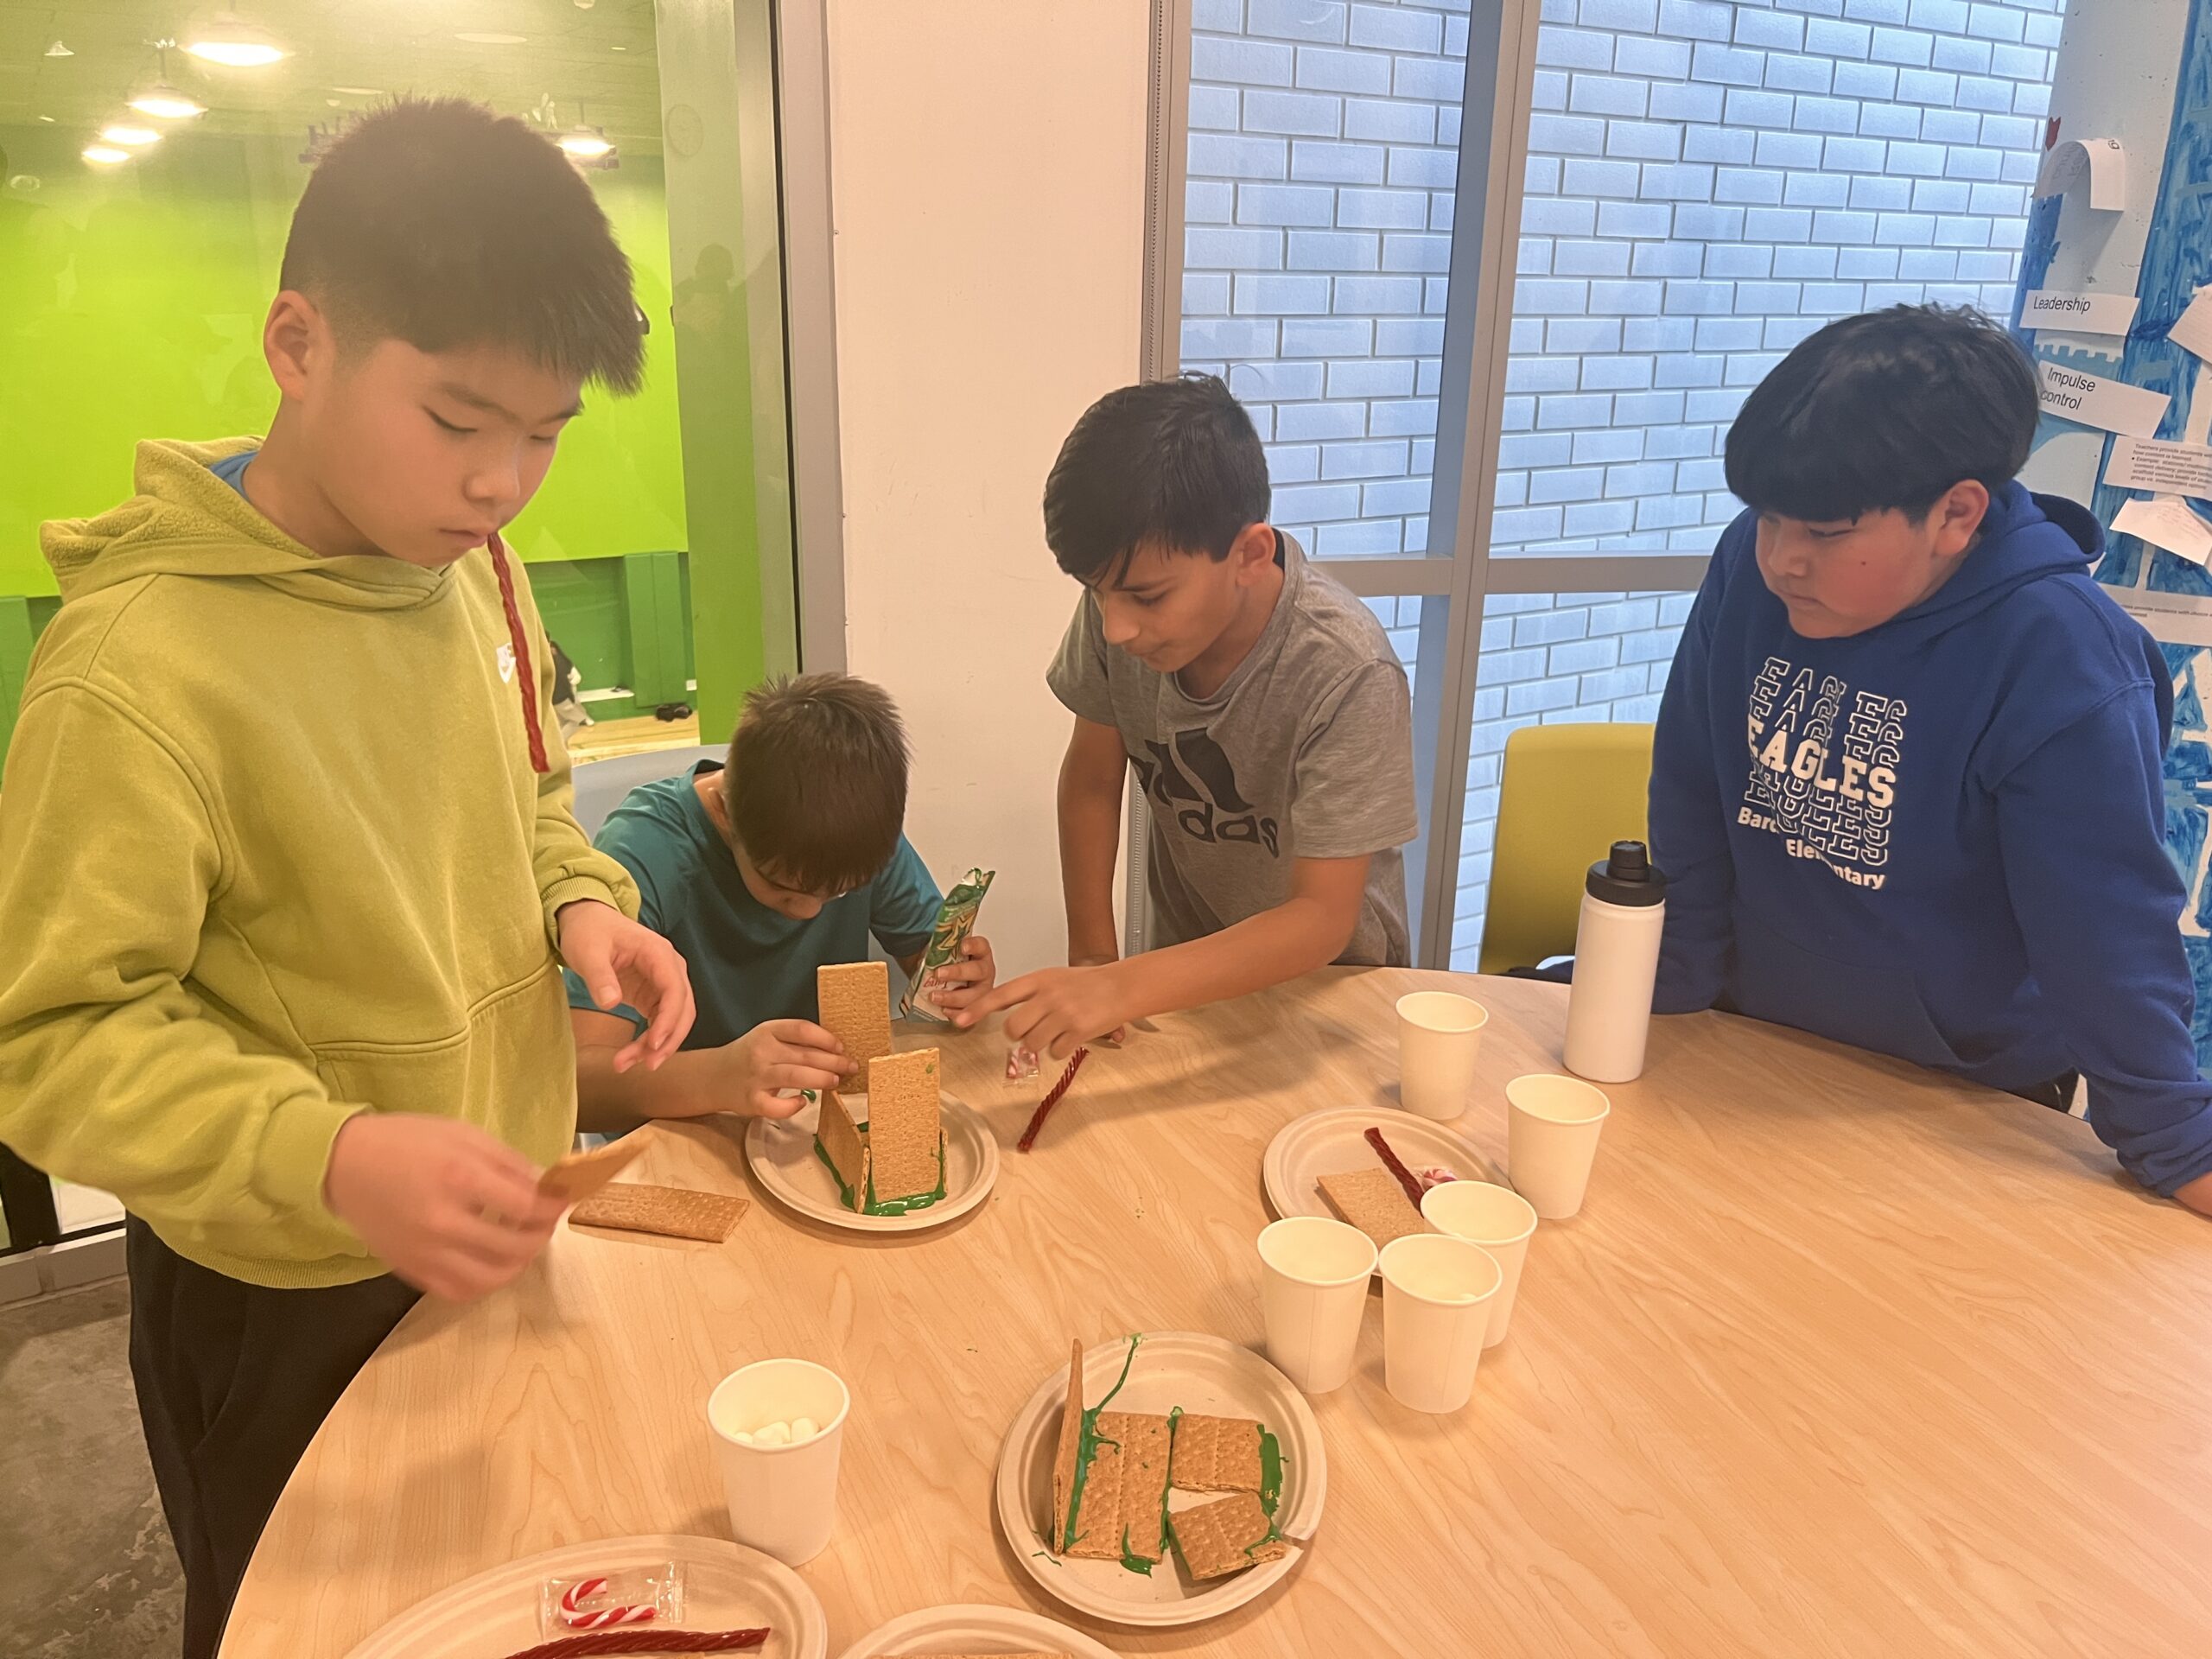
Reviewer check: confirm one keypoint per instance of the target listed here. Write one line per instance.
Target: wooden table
(1839, 1359)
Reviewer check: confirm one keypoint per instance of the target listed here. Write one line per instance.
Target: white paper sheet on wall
(2152, 464)
(2166, 522)
(2078, 313)
(2098, 400)
(2102, 160)
(2192, 330)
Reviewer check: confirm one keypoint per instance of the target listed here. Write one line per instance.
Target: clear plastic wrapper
(631, 1598)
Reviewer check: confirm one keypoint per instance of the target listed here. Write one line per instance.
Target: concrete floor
(89, 1569)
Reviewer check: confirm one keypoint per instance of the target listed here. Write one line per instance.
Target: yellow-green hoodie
(273, 851)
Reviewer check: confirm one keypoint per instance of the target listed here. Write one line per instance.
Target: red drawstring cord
(526, 679)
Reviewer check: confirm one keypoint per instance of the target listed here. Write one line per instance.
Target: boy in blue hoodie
(1907, 782)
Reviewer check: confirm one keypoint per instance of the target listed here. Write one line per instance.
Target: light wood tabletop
(1839, 1358)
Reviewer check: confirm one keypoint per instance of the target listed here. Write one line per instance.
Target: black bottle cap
(1628, 877)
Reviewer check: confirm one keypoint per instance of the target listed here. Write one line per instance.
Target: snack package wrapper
(956, 920)
(633, 1597)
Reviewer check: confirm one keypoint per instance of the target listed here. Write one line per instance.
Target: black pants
(2058, 1093)
(233, 1381)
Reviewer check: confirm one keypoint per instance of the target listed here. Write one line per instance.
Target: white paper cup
(1437, 1291)
(1440, 1034)
(1495, 1218)
(1313, 1279)
(1551, 1139)
(783, 1499)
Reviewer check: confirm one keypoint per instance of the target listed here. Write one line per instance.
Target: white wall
(989, 181)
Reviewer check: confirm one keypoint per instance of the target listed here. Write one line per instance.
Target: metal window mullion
(1493, 158)
(1167, 150)
(809, 307)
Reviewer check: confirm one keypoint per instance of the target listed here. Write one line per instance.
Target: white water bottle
(1615, 965)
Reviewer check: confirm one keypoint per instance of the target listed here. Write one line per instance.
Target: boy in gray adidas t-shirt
(1266, 717)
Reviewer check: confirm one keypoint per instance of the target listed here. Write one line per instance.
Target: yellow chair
(1566, 793)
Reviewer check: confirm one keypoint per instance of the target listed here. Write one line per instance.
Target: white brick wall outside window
(1708, 181)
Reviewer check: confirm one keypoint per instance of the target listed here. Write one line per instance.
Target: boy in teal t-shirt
(786, 860)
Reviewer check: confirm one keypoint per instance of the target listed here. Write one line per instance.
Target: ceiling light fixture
(58, 50)
(475, 37)
(231, 41)
(585, 144)
(105, 155)
(129, 136)
(161, 98)
(164, 103)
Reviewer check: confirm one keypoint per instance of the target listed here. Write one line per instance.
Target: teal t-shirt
(747, 962)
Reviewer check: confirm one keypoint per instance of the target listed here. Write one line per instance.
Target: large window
(1510, 345)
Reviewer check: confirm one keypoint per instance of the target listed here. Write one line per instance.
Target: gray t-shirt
(1305, 752)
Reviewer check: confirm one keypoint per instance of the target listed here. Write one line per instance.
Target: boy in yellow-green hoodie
(288, 870)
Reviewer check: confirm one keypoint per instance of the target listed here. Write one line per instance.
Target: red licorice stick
(1037, 1120)
(572, 1647)
(1406, 1178)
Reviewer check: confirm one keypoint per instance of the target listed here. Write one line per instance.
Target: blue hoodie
(1944, 838)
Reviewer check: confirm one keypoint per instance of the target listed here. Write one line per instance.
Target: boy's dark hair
(1889, 409)
(816, 787)
(438, 222)
(1172, 461)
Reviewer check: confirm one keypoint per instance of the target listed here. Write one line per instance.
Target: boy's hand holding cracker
(780, 1054)
(450, 1208)
(622, 961)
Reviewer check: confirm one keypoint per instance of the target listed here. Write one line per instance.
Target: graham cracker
(853, 1001)
(1226, 1536)
(1126, 1491)
(675, 1212)
(905, 1128)
(847, 1146)
(1217, 1454)
(580, 1175)
(1372, 1200)
(1070, 1450)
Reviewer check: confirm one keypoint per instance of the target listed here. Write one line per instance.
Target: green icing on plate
(1087, 1444)
(873, 1205)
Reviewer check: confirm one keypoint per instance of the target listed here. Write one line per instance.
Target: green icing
(875, 1206)
(1130, 1560)
(1270, 1472)
(1270, 1488)
(919, 1201)
(1087, 1444)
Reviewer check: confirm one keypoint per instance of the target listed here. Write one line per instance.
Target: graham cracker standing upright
(1069, 1452)
(1218, 1454)
(845, 1145)
(853, 1001)
(904, 1124)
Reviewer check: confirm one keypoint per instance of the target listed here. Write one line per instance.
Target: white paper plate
(975, 1630)
(1332, 1141)
(1203, 1375)
(726, 1587)
(781, 1152)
